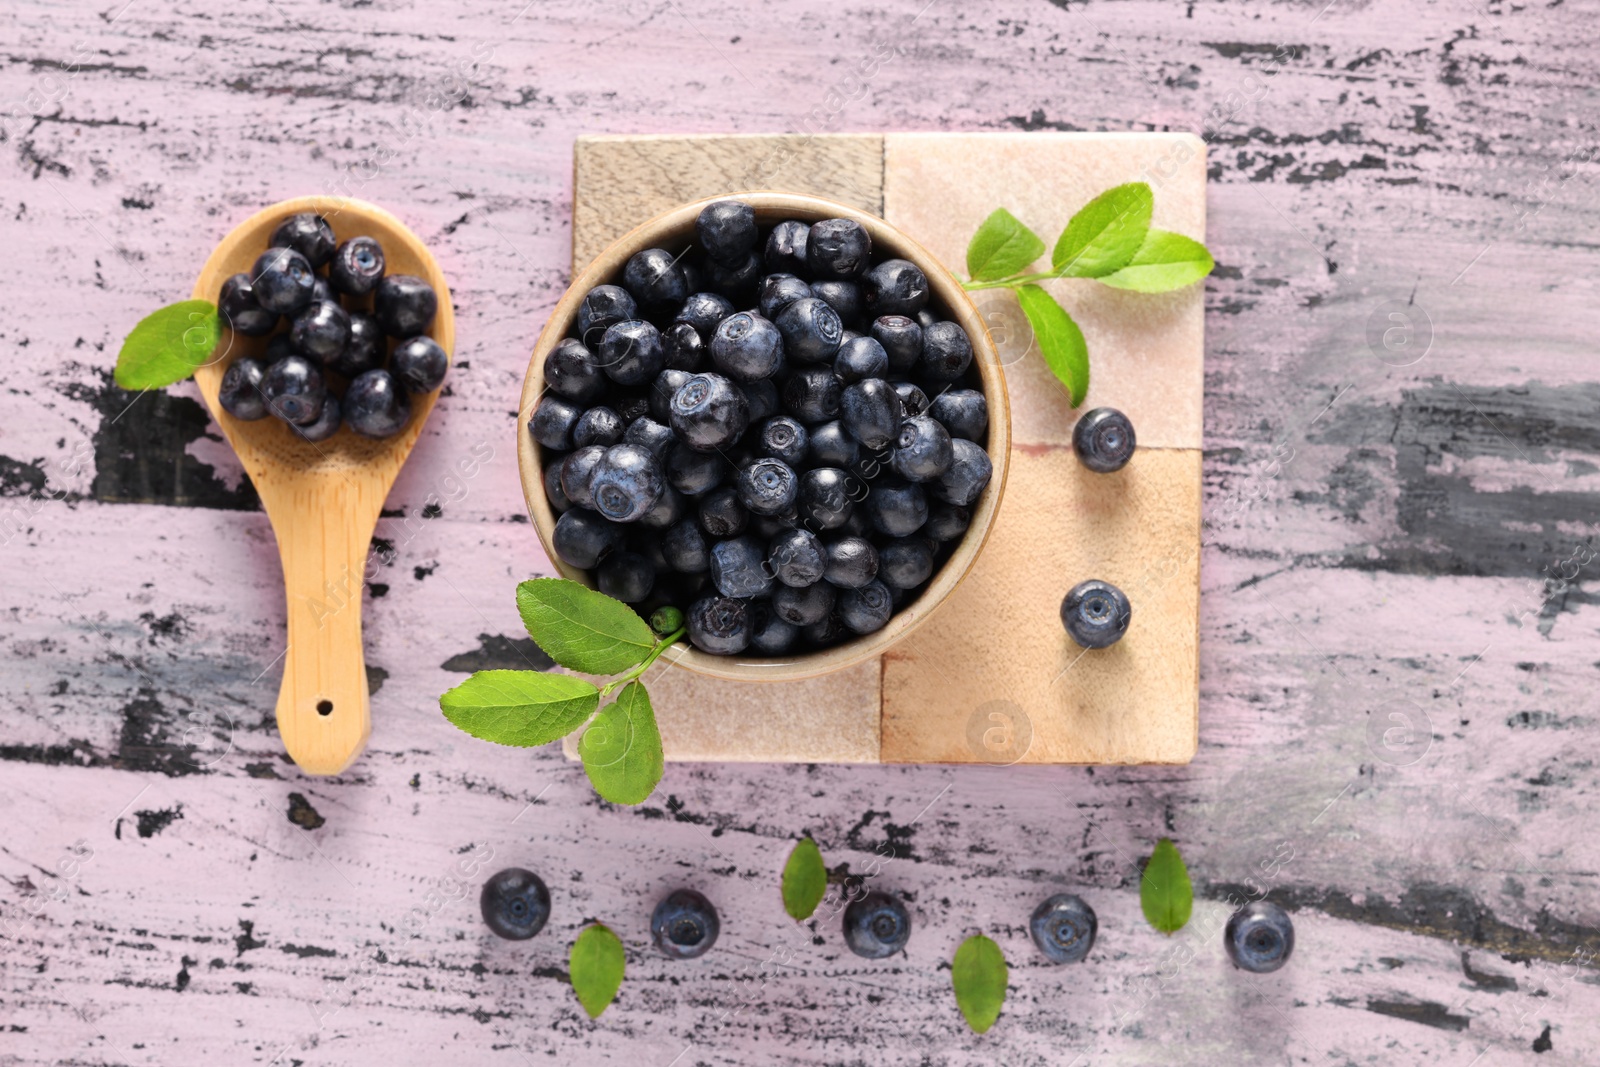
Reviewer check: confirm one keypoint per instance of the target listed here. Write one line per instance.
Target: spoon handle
(323, 710)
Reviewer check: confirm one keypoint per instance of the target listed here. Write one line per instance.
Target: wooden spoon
(323, 499)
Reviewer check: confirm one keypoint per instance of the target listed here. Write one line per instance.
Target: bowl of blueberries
(774, 417)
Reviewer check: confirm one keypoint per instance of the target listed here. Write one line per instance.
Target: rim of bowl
(771, 207)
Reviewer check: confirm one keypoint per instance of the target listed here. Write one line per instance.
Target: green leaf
(1165, 261)
(1001, 247)
(979, 975)
(581, 629)
(1103, 237)
(1060, 341)
(520, 707)
(805, 880)
(1164, 892)
(621, 749)
(167, 346)
(597, 964)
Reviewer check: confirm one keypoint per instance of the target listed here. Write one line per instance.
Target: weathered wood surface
(1380, 540)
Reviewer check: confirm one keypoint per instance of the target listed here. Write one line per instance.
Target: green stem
(633, 675)
(1013, 282)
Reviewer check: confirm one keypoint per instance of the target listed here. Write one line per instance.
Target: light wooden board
(992, 676)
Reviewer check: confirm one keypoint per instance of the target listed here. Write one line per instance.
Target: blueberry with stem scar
(1095, 614)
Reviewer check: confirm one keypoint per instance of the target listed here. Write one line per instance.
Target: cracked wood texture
(1398, 647)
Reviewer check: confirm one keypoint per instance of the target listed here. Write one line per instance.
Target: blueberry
(727, 230)
(767, 486)
(852, 562)
(737, 282)
(811, 330)
(419, 364)
(1103, 439)
(576, 471)
(684, 925)
(1095, 613)
(796, 558)
(630, 352)
(964, 413)
(905, 563)
(240, 393)
(859, 358)
(837, 248)
(925, 318)
(901, 338)
(601, 308)
(762, 396)
(768, 527)
(843, 297)
(824, 632)
(825, 499)
(322, 292)
(238, 307)
(357, 266)
(719, 625)
(923, 450)
(693, 473)
(655, 279)
(649, 434)
(856, 524)
(365, 348)
(515, 904)
(946, 352)
(812, 395)
(967, 476)
(325, 425)
(553, 492)
(627, 482)
(625, 576)
(896, 508)
(666, 621)
(682, 347)
(783, 438)
(404, 305)
(375, 405)
(946, 522)
(694, 274)
(293, 389)
(786, 248)
(895, 287)
(770, 634)
(778, 291)
(672, 507)
(597, 426)
(709, 412)
(307, 233)
(831, 446)
(876, 925)
(738, 568)
(1063, 927)
(553, 421)
(282, 281)
(721, 514)
(867, 609)
(703, 311)
(804, 605)
(747, 347)
(320, 332)
(572, 371)
(684, 547)
(631, 405)
(870, 412)
(1259, 937)
(663, 389)
(913, 401)
(278, 346)
(582, 538)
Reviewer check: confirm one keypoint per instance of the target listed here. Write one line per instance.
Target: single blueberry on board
(1063, 927)
(1104, 440)
(684, 925)
(876, 925)
(1095, 613)
(1259, 937)
(515, 904)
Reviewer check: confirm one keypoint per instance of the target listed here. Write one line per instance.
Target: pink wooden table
(1392, 504)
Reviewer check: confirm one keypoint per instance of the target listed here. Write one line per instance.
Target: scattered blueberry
(307, 233)
(375, 405)
(1063, 927)
(1095, 614)
(962, 412)
(747, 347)
(419, 364)
(404, 305)
(515, 904)
(239, 309)
(1259, 937)
(626, 483)
(1104, 440)
(719, 625)
(684, 925)
(876, 925)
(837, 248)
(357, 266)
(282, 281)
(240, 392)
(655, 279)
(727, 230)
(320, 332)
(293, 389)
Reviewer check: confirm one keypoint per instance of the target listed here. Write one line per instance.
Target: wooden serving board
(990, 677)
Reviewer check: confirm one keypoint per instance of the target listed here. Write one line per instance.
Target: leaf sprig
(1108, 240)
(585, 631)
(167, 345)
(1165, 893)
